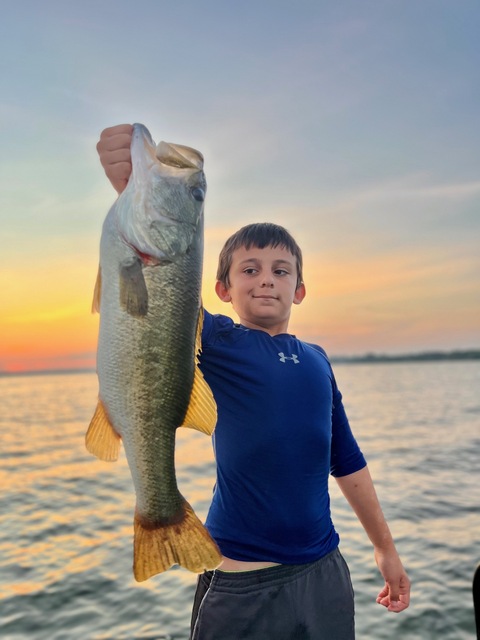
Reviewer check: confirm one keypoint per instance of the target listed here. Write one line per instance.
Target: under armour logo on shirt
(284, 358)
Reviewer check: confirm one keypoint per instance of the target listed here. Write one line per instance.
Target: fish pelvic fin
(186, 543)
(101, 439)
(202, 409)
(97, 293)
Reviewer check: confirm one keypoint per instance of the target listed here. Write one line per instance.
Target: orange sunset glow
(394, 303)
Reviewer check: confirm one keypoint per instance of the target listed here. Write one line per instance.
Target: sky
(356, 125)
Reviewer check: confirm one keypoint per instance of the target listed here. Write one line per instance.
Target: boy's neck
(273, 330)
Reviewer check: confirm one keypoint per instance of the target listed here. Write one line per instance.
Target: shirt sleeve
(207, 327)
(346, 456)
(213, 326)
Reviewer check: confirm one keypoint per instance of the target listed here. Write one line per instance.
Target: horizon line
(366, 358)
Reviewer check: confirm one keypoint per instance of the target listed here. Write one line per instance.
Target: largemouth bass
(148, 296)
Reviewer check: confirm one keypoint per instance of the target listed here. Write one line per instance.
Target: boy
(281, 430)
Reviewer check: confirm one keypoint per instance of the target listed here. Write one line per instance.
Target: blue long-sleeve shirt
(281, 431)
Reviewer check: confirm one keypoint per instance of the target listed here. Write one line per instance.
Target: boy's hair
(259, 235)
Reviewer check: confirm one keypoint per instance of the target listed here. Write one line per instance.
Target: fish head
(160, 213)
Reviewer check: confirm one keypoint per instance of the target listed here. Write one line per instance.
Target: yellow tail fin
(186, 543)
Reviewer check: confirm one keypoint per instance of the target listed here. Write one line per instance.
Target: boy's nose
(267, 282)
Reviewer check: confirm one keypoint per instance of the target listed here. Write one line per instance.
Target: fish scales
(148, 295)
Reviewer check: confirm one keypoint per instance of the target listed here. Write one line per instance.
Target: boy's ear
(300, 294)
(222, 292)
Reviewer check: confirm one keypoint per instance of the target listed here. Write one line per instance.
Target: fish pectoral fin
(97, 292)
(101, 439)
(133, 290)
(186, 542)
(202, 410)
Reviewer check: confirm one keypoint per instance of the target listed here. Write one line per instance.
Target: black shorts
(286, 602)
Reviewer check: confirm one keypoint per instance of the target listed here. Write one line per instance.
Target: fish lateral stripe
(186, 543)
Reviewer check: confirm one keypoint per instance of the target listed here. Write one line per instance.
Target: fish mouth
(171, 156)
(179, 156)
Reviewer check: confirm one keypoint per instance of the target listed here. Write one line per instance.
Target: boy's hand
(359, 490)
(395, 595)
(114, 151)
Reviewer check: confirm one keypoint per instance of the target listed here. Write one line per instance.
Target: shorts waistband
(247, 580)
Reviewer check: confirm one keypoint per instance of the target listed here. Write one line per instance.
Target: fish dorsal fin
(202, 410)
(97, 292)
(101, 439)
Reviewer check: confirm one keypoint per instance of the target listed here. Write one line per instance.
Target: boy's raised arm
(358, 489)
(114, 151)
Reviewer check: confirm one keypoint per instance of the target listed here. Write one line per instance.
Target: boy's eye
(250, 270)
(281, 272)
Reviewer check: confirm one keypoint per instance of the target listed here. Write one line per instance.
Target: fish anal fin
(101, 439)
(133, 290)
(97, 292)
(186, 542)
(202, 410)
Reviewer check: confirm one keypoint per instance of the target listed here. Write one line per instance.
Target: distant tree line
(424, 356)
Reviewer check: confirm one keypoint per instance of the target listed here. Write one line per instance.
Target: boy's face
(263, 287)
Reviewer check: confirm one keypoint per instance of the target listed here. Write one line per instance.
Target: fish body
(148, 295)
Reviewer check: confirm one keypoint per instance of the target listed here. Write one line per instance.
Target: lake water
(66, 518)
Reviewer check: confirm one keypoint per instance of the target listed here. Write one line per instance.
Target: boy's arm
(114, 151)
(358, 489)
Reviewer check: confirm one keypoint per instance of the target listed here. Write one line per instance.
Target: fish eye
(198, 194)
